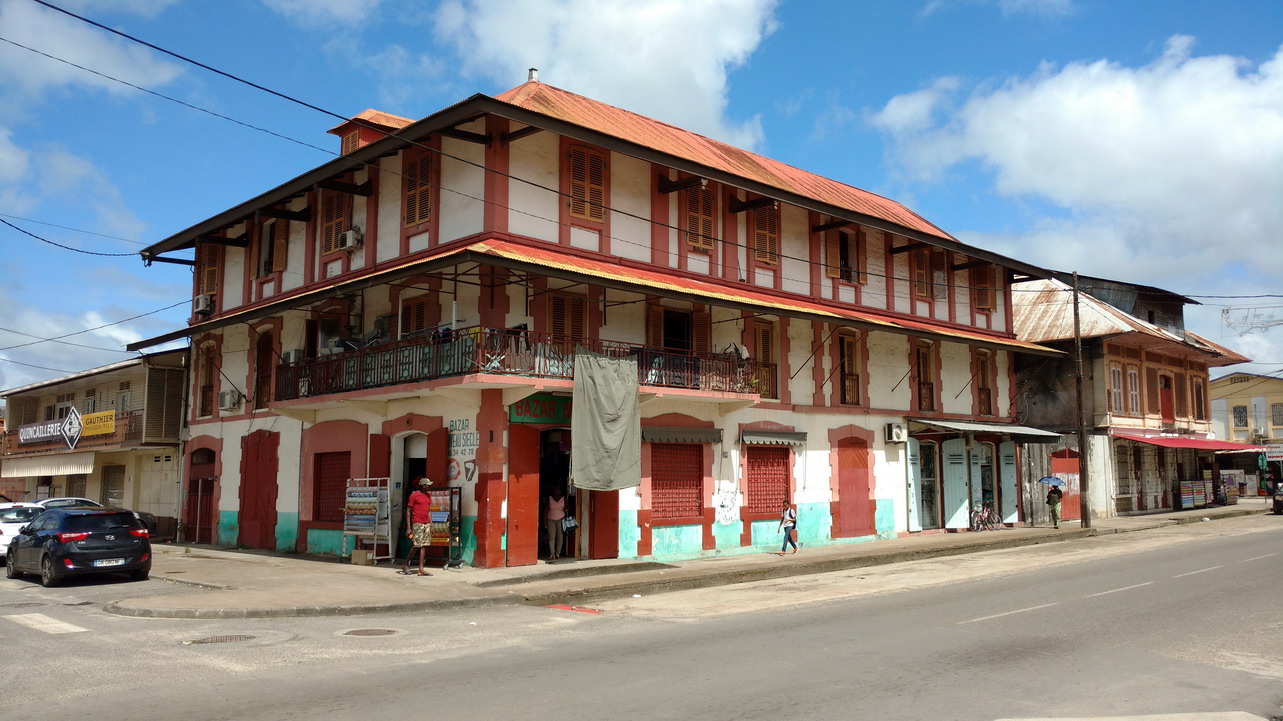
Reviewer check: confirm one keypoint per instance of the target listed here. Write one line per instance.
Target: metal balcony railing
(512, 352)
(129, 432)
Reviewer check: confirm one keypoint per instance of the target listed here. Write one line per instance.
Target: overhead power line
(67, 247)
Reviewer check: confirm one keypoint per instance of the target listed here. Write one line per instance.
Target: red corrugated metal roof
(1195, 443)
(374, 117)
(664, 138)
(553, 257)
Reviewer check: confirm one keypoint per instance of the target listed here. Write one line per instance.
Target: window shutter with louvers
(832, 253)
(702, 333)
(280, 244)
(417, 204)
(333, 219)
(700, 212)
(587, 185)
(766, 235)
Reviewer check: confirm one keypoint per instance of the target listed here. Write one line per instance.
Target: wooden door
(258, 490)
(603, 524)
(954, 463)
(523, 495)
(199, 514)
(855, 505)
(1007, 491)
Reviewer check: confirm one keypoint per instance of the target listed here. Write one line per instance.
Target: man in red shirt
(418, 525)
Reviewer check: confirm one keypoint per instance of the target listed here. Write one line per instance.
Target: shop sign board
(541, 408)
(68, 428)
(98, 424)
(1274, 453)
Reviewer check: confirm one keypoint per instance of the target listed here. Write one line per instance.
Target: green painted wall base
(324, 541)
(629, 534)
(676, 542)
(229, 528)
(286, 531)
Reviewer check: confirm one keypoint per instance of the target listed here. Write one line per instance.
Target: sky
(1137, 140)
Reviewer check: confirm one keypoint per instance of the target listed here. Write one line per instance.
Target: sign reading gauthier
(69, 428)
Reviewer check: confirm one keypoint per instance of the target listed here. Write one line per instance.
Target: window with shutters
(767, 479)
(335, 210)
(924, 370)
(330, 485)
(764, 354)
(1181, 391)
(1133, 390)
(417, 183)
(414, 315)
(350, 142)
(1115, 388)
(209, 264)
(587, 184)
(273, 239)
(1200, 401)
(985, 372)
(849, 368)
(677, 481)
(844, 255)
(207, 372)
(264, 362)
(701, 218)
(766, 235)
(1151, 391)
(983, 294)
(568, 317)
(920, 272)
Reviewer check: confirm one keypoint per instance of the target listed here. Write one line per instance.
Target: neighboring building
(1145, 389)
(1248, 408)
(419, 304)
(111, 434)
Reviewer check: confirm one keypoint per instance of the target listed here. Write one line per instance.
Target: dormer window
(351, 141)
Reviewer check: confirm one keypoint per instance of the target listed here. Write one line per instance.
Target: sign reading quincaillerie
(69, 428)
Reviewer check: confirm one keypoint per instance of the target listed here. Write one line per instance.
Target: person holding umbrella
(1053, 505)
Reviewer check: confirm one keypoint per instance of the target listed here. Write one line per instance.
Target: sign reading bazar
(540, 408)
(69, 428)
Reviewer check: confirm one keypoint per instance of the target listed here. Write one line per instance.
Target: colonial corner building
(446, 298)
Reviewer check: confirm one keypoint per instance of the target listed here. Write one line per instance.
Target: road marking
(1116, 590)
(41, 622)
(1256, 558)
(1201, 570)
(1008, 613)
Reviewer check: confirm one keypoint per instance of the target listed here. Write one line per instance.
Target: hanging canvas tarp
(606, 423)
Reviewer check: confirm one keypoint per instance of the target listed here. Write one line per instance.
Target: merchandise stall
(367, 520)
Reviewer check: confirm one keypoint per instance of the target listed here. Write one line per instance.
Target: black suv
(64, 542)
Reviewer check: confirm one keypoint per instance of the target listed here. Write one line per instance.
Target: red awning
(1195, 443)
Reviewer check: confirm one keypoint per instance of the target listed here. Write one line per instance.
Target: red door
(1064, 465)
(523, 495)
(258, 490)
(855, 505)
(603, 524)
(200, 511)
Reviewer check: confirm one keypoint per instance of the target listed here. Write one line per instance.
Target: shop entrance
(554, 476)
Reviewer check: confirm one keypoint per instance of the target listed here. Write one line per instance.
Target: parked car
(148, 519)
(14, 516)
(1278, 501)
(64, 542)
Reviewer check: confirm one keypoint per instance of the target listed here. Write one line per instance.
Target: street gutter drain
(221, 639)
(370, 632)
(23, 604)
(82, 603)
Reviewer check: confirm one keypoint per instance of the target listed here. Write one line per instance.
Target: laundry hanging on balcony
(606, 422)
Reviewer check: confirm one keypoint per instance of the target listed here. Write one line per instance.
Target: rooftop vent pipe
(534, 76)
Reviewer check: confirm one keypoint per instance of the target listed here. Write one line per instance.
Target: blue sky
(1141, 141)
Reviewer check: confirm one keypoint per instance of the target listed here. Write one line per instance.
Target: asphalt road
(1186, 619)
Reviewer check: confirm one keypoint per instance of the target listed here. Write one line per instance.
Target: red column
(492, 423)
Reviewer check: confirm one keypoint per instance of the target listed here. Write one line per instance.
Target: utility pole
(1084, 504)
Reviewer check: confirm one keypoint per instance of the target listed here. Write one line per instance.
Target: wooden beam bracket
(364, 189)
(519, 134)
(240, 241)
(301, 216)
(740, 206)
(831, 225)
(478, 138)
(667, 186)
(909, 248)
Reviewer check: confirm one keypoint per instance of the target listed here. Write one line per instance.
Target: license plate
(109, 562)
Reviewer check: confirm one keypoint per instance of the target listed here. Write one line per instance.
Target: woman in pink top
(553, 517)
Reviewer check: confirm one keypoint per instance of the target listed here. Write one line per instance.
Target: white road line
(1201, 570)
(1116, 590)
(41, 622)
(1008, 613)
(1256, 558)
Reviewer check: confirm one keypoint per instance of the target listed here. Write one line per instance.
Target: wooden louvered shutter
(209, 269)
(414, 315)
(587, 185)
(280, 244)
(919, 261)
(702, 333)
(858, 252)
(655, 326)
(417, 178)
(700, 218)
(766, 235)
(1182, 402)
(568, 316)
(833, 253)
(982, 290)
(1151, 390)
(763, 343)
(351, 142)
(333, 220)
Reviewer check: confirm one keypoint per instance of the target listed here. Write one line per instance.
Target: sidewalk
(250, 584)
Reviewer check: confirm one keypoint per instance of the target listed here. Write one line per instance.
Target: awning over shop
(63, 464)
(1199, 444)
(773, 438)
(1003, 428)
(681, 435)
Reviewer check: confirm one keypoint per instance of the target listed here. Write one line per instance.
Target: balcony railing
(512, 352)
(129, 432)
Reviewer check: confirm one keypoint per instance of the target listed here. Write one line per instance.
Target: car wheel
(47, 579)
(140, 574)
(10, 569)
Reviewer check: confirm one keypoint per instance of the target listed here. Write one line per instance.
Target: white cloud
(64, 37)
(668, 59)
(319, 13)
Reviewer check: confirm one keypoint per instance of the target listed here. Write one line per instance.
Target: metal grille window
(330, 485)
(677, 480)
(849, 352)
(768, 479)
(113, 486)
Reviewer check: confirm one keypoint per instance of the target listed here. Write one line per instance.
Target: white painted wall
(463, 188)
(630, 194)
(534, 211)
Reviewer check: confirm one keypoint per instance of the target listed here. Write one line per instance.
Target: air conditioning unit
(229, 400)
(292, 356)
(897, 433)
(203, 304)
(349, 239)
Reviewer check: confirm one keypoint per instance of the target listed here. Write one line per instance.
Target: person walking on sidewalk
(788, 524)
(553, 519)
(1053, 505)
(418, 525)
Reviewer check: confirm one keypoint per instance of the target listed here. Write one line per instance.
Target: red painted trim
(659, 212)
(207, 443)
(498, 161)
(272, 328)
(380, 455)
(819, 333)
(835, 377)
(836, 435)
(433, 226)
(411, 423)
(327, 437)
(310, 239)
(213, 344)
(566, 220)
(783, 369)
(492, 487)
(371, 231)
(731, 233)
(888, 265)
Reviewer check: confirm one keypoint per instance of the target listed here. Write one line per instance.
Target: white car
(12, 517)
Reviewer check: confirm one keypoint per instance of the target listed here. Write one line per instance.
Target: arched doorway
(855, 502)
(199, 511)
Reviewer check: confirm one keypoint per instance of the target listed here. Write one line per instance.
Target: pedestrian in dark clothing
(1053, 505)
